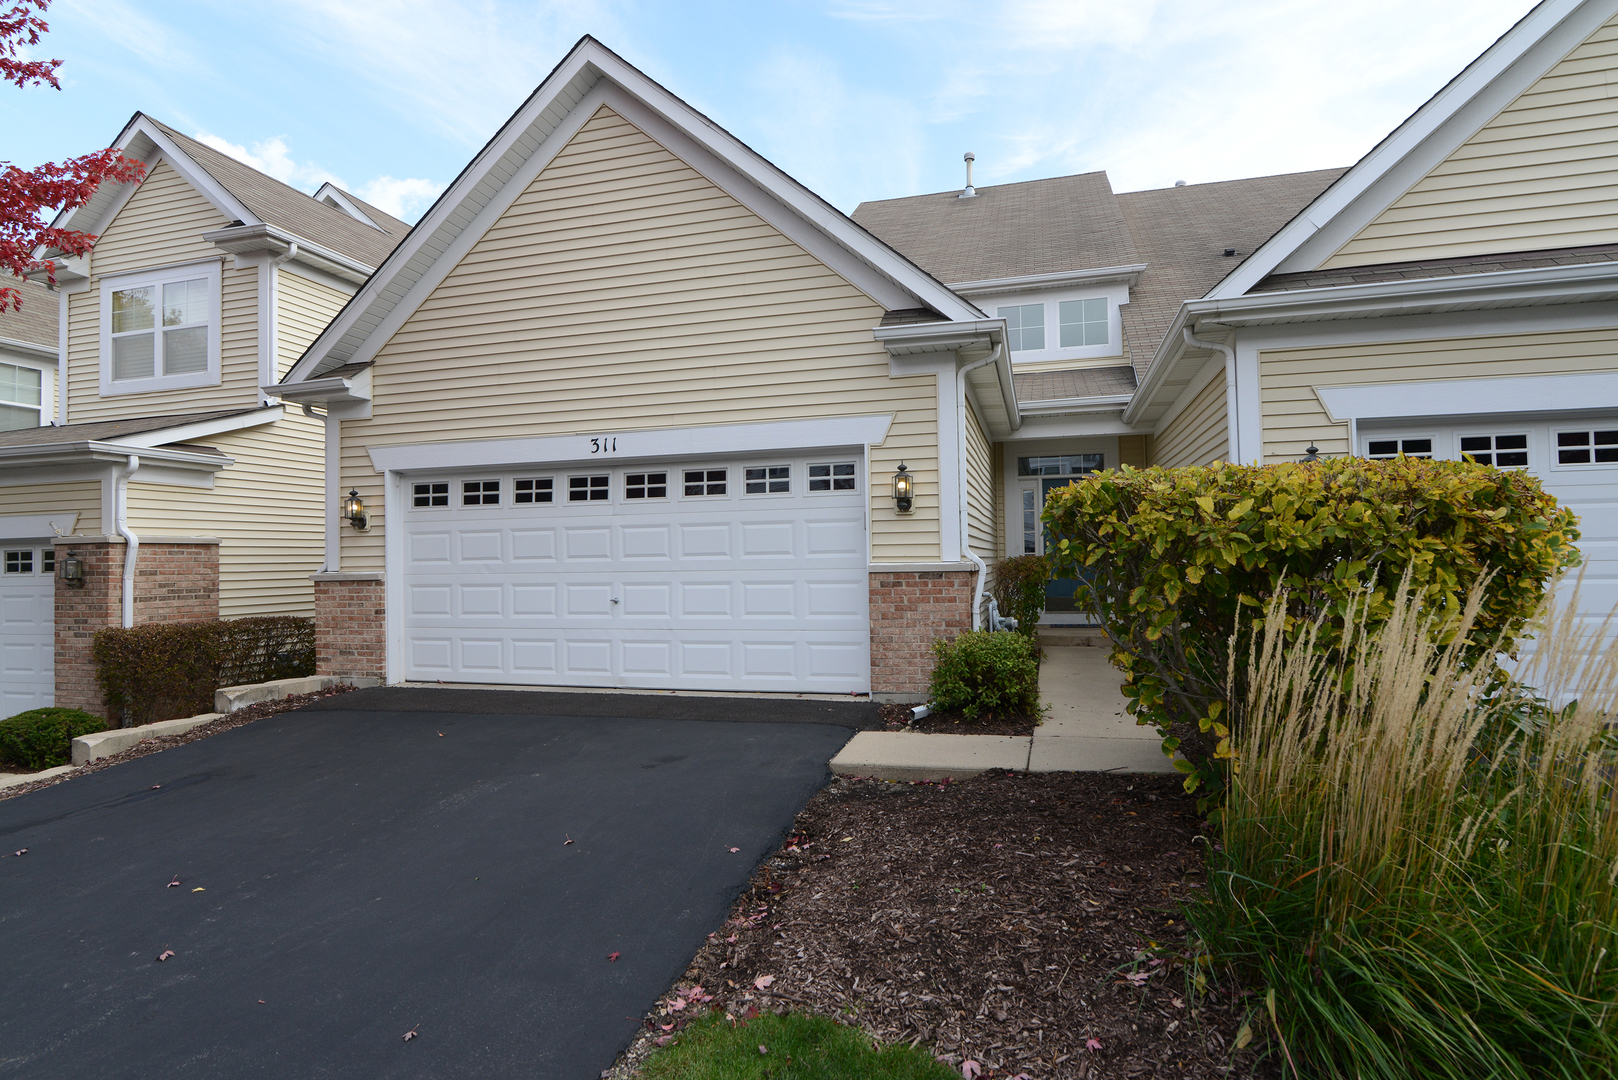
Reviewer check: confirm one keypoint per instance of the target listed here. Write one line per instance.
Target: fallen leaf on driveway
(261, 1001)
(763, 982)
(971, 1070)
(164, 955)
(173, 883)
(411, 1034)
(24, 851)
(734, 850)
(568, 841)
(154, 787)
(612, 958)
(199, 888)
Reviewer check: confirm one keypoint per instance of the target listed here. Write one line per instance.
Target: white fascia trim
(1474, 97)
(1072, 406)
(913, 339)
(251, 239)
(1129, 274)
(1512, 394)
(30, 526)
(582, 72)
(29, 350)
(340, 199)
(74, 453)
(356, 387)
(835, 433)
(203, 428)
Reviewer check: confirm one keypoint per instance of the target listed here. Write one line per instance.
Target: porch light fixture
(1311, 454)
(903, 489)
(73, 571)
(354, 509)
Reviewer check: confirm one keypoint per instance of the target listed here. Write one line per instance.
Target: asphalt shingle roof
(107, 430)
(1034, 386)
(286, 207)
(1010, 230)
(1435, 268)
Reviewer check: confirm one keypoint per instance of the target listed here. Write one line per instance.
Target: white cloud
(404, 199)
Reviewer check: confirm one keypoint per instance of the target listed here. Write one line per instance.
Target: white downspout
(1231, 415)
(960, 483)
(120, 512)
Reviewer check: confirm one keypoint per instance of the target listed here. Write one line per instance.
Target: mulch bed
(898, 718)
(152, 746)
(1029, 923)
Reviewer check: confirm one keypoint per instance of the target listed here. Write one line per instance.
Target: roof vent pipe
(969, 192)
(1179, 183)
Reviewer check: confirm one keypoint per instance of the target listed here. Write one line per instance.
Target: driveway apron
(347, 876)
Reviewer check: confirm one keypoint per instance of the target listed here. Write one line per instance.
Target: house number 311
(606, 444)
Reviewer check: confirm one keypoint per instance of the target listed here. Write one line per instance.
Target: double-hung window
(1025, 326)
(21, 396)
(1083, 322)
(160, 329)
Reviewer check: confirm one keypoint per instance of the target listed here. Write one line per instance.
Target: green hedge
(1019, 590)
(43, 738)
(987, 674)
(167, 670)
(1181, 563)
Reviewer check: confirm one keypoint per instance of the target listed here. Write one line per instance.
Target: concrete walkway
(1086, 730)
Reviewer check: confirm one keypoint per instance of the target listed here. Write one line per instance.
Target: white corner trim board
(1463, 397)
(608, 444)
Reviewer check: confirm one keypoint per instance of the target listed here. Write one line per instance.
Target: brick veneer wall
(174, 582)
(909, 609)
(350, 628)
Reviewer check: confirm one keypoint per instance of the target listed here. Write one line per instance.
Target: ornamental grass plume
(1420, 854)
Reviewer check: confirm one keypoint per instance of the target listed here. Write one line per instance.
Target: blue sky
(858, 99)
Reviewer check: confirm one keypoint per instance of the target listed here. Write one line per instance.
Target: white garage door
(1575, 458)
(27, 626)
(708, 575)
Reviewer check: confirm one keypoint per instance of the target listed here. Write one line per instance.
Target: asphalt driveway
(378, 865)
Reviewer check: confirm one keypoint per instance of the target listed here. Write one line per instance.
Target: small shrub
(1019, 590)
(988, 674)
(43, 738)
(165, 670)
(1180, 564)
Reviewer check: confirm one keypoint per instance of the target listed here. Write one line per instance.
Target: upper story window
(160, 329)
(1083, 322)
(1025, 326)
(21, 396)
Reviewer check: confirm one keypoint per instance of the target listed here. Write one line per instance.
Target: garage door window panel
(769, 480)
(1501, 451)
(1587, 447)
(833, 476)
(1388, 449)
(430, 495)
(648, 485)
(19, 562)
(589, 488)
(532, 489)
(480, 493)
(705, 482)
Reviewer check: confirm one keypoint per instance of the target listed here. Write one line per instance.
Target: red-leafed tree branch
(25, 195)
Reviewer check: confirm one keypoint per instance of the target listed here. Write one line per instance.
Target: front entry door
(1058, 591)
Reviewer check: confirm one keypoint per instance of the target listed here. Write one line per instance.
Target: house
(177, 485)
(632, 408)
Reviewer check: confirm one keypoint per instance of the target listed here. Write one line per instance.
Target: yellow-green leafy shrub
(1181, 563)
(1019, 590)
(986, 674)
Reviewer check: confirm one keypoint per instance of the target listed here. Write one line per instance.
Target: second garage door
(704, 575)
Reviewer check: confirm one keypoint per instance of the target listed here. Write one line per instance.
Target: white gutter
(1130, 274)
(1069, 406)
(1233, 447)
(960, 483)
(120, 512)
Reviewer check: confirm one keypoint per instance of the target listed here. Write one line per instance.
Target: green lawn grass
(795, 1047)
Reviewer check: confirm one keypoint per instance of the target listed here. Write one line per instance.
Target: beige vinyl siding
(1134, 450)
(1294, 416)
(162, 225)
(302, 308)
(980, 499)
(1541, 174)
(268, 511)
(1199, 435)
(997, 469)
(623, 289)
(81, 495)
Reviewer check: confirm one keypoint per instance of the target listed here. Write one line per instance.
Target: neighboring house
(627, 406)
(208, 279)
(28, 349)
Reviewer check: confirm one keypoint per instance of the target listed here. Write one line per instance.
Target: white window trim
(809, 478)
(1558, 465)
(47, 388)
(1470, 433)
(1115, 294)
(211, 270)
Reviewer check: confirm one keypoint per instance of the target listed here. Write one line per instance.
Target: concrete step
(1064, 637)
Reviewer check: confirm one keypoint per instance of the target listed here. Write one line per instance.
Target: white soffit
(708, 441)
(1465, 397)
(536, 133)
(1469, 101)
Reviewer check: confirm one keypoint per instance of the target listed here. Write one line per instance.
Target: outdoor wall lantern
(354, 509)
(903, 489)
(73, 571)
(1311, 454)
